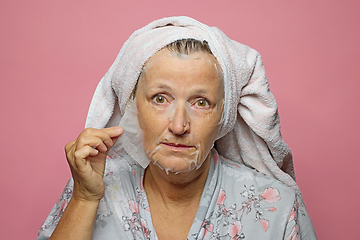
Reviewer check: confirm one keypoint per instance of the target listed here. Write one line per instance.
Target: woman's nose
(180, 123)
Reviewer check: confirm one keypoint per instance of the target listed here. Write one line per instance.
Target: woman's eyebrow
(200, 91)
(160, 86)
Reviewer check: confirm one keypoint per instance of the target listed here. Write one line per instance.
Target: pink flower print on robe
(135, 224)
(145, 229)
(133, 207)
(294, 234)
(235, 231)
(224, 213)
(206, 227)
(63, 205)
(271, 195)
(264, 223)
(140, 195)
(221, 197)
(132, 223)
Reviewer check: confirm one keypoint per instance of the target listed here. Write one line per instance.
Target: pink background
(53, 53)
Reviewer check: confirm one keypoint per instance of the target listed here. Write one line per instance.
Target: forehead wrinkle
(173, 74)
(153, 73)
(171, 56)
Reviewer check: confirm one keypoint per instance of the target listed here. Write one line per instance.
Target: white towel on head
(250, 132)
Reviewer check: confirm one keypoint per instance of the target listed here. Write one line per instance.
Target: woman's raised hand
(86, 157)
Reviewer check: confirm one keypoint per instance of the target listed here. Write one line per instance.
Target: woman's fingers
(102, 139)
(80, 161)
(114, 131)
(69, 146)
(92, 141)
(88, 145)
(87, 157)
(114, 134)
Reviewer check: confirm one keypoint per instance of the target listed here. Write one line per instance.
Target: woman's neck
(174, 199)
(175, 189)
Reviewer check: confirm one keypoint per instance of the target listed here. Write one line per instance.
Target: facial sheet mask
(170, 139)
(172, 116)
(132, 138)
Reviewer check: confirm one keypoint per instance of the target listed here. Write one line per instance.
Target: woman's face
(180, 103)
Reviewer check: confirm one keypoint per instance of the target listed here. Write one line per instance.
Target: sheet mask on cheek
(178, 153)
(178, 133)
(189, 157)
(132, 137)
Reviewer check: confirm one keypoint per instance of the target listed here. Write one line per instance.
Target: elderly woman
(193, 138)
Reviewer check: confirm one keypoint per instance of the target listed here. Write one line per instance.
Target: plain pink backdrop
(53, 53)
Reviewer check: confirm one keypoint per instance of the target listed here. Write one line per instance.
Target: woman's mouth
(176, 147)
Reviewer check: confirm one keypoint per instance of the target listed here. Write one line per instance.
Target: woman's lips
(176, 147)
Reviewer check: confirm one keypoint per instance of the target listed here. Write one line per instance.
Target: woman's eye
(159, 99)
(202, 103)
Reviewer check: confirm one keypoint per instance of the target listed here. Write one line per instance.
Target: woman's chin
(176, 166)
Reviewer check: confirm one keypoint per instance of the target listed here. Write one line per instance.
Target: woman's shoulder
(252, 204)
(250, 182)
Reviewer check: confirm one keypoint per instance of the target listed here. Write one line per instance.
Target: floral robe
(237, 203)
